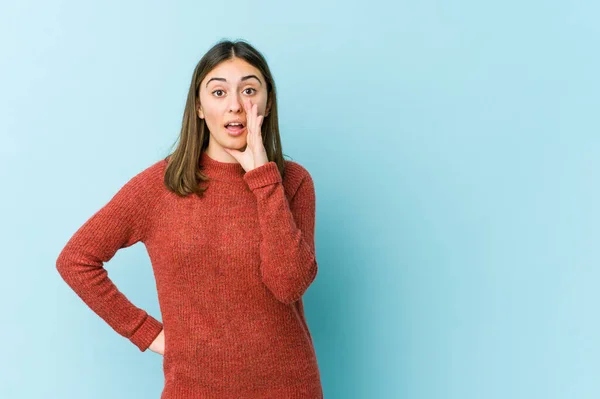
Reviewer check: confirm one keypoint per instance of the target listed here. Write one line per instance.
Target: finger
(245, 105)
(249, 137)
(250, 121)
(255, 119)
(249, 115)
(259, 121)
(254, 116)
(258, 128)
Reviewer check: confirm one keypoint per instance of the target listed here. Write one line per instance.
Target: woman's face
(222, 93)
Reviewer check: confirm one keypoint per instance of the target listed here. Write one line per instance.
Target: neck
(231, 171)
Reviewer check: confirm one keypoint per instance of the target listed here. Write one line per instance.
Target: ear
(200, 112)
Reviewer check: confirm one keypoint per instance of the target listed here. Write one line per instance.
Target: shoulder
(145, 182)
(296, 170)
(296, 175)
(154, 171)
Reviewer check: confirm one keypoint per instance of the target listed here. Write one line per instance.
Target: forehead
(232, 70)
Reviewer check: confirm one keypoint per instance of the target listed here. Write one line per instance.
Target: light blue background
(455, 152)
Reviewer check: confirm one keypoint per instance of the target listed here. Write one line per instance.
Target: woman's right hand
(158, 345)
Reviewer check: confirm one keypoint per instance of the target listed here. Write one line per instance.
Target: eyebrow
(241, 80)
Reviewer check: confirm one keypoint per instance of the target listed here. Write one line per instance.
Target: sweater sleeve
(287, 249)
(118, 224)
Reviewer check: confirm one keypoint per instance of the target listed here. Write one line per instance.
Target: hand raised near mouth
(255, 154)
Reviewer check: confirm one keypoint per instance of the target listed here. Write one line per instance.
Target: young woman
(229, 228)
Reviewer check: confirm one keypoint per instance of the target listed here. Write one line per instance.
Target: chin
(238, 145)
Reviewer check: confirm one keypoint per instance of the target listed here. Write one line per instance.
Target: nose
(236, 104)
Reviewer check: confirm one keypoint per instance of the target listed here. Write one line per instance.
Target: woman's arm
(119, 224)
(287, 248)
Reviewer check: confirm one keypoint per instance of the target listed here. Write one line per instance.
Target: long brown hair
(183, 174)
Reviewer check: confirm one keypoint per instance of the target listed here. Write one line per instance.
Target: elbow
(61, 264)
(289, 290)
(63, 267)
(66, 264)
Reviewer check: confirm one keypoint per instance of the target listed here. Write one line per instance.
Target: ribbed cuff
(146, 333)
(263, 175)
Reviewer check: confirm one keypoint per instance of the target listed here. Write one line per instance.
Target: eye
(249, 88)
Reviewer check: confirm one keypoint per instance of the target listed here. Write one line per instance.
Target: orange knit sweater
(230, 269)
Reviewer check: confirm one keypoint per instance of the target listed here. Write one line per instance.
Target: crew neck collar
(232, 171)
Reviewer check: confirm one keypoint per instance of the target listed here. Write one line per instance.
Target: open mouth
(234, 127)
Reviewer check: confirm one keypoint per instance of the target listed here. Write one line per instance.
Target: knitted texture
(231, 269)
